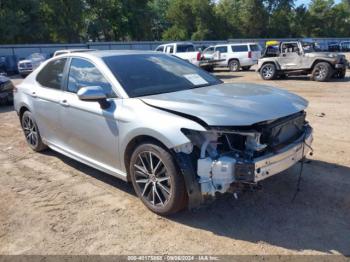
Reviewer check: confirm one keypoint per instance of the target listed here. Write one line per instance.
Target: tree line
(73, 21)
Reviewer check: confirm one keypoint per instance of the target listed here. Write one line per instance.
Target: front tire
(268, 71)
(234, 65)
(322, 72)
(157, 180)
(31, 132)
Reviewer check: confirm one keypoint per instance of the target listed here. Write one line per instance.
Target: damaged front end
(222, 159)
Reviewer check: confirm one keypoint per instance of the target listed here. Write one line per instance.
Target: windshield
(150, 74)
(185, 48)
(308, 47)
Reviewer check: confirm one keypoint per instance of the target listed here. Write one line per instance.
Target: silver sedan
(177, 133)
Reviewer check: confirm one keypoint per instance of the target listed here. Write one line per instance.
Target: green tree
(280, 18)
(20, 22)
(229, 19)
(254, 17)
(191, 19)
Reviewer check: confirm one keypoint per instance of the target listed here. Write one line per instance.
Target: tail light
(250, 54)
(198, 56)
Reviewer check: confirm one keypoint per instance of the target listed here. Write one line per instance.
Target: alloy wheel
(267, 71)
(152, 179)
(321, 72)
(30, 131)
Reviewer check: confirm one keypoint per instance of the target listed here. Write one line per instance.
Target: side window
(83, 73)
(209, 50)
(160, 49)
(290, 48)
(239, 48)
(254, 48)
(52, 74)
(169, 49)
(221, 49)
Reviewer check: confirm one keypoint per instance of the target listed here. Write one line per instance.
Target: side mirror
(93, 94)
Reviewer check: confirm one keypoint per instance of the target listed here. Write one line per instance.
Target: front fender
(138, 119)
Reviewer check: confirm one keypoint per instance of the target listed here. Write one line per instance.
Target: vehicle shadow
(6, 108)
(318, 219)
(92, 172)
(222, 77)
(307, 78)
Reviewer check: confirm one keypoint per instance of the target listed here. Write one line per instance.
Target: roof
(107, 53)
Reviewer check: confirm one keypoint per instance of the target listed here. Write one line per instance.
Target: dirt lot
(50, 204)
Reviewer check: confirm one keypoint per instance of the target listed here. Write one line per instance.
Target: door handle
(64, 103)
(33, 94)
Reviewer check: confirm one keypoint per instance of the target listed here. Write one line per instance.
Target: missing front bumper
(220, 174)
(274, 163)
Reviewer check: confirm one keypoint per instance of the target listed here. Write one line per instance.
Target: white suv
(236, 56)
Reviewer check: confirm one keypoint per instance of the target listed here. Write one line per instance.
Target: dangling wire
(301, 166)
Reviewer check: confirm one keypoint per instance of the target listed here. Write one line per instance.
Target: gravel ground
(50, 204)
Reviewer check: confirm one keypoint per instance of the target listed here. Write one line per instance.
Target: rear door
(46, 99)
(241, 52)
(89, 131)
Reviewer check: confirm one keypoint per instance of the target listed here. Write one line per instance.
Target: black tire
(234, 65)
(246, 68)
(268, 71)
(322, 72)
(31, 132)
(340, 74)
(162, 191)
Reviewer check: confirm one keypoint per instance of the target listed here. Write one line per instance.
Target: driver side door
(90, 132)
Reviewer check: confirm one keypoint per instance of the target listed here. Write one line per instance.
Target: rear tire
(157, 180)
(268, 71)
(234, 65)
(322, 72)
(31, 132)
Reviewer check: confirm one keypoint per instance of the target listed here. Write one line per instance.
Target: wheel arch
(270, 62)
(23, 108)
(320, 61)
(132, 145)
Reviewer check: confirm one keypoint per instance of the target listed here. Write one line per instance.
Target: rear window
(151, 74)
(254, 48)
(185, 48)
(239, 48)
(52, 74)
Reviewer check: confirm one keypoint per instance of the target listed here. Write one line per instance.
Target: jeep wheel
(234, 65)
(156, 179)
(322, 72)
(268, 71)
(340, 74)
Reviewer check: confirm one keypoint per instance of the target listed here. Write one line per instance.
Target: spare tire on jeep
(322, 72)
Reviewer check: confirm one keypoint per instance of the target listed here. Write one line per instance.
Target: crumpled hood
(238, 104)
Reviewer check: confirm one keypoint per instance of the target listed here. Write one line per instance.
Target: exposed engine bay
(227, 156)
